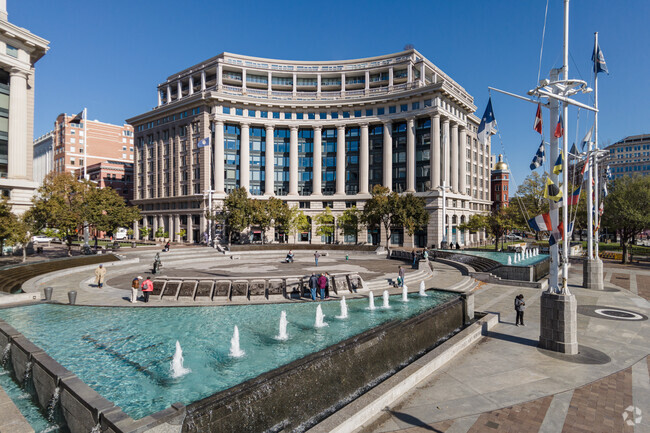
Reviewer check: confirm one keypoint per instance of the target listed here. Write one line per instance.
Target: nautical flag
(574, 151)
(538, 159)
(599, 61)
(203, 143)
(488, 124)
(556, 231)
(541, 223)
(559, 128)
(601, 208)
(605, 193)
(608, 173)
(575, 197)
(557, 168)
(587, 138)
(552, 191)
(570, 230)
(585, 170)
(538, 119)
(78, 118)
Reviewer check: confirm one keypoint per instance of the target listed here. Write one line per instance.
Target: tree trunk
(624, 258)
(24, 253)
(496, 243)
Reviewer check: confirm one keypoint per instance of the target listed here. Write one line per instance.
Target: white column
(219, 77)
(318, 160)
(17, 145)
(434, 151)
(202, 80)
(388, 155)
(293, 160)
(410, 155)
(367, 86)
(177, 228)
(159, 98)
(243, 80)
(218, 157)
(462, 153)
(269, 85)
(269, 168)
(244, 157)
(155, 226)
(191, 86)
(423, 70)
(342, 82)
(454, 157)
(189, 228)
(294, 82)
(179, 90)
(445, 150)
(169, 93)
(364, 159)
(409, 74)
(318, 85)
(390, 77)
(340, 160)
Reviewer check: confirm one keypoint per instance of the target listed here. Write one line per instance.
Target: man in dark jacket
(520, 306)
(313, 285)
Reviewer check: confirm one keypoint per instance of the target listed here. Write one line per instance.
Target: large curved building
(337, 128)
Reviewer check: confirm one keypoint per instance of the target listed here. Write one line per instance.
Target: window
(226, 110)
(335, 114)
(73, 140)
(323, 116)
(251, 113)
(311, 116)
(369, 112)
(276, 115)
(299, 116)
(392, 109)
(12, 51)
(403, 108)
(71, 148)
(239, 111)
(380, 111)
(415, 106)
(123, 147)
(346, 114)
(264, 114)
(287, 116)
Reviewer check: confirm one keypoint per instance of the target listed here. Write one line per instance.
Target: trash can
(72, 297)
(48, 293)
(132, 244)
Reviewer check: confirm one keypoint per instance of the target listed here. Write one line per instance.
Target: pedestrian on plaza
(100, 276)
(316, 256)
(147, 289)
(322, 283)
(425, 254)
(166, 247)
(95, 242)
(313, 285)
(327, 285)
(135, 286)
(520, 306)
(414, 257)
(400, 276)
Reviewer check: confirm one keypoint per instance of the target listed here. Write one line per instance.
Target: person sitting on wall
(166, 247)
(289, 258)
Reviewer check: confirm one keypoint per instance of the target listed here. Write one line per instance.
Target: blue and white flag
(599, 61)
(538, 159)
(605, 192)
(608, 173)
(488, 124)
(203, 143)
(587, 138)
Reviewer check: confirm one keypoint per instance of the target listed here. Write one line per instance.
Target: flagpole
(596, 204)
(553, 276)
(85, 118)
(565, 170)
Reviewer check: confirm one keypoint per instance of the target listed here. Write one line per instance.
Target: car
(514, 237)
(42, 238)
(120, 234)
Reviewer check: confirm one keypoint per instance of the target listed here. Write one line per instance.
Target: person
(100, 276)
(322, 283)
(289, 258)
(95, 237)
(520, 306)
(147, 289)
(414, 256)
(400, 277)
(135, 286)
(316, 256)
(313, 285)
(157, 264)
(166, 247)
(457, 246)
(425, 255)
(327, 286)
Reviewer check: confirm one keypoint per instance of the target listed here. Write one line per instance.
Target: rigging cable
(541, 50)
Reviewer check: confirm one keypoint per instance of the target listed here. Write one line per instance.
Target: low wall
(312, 247)
(298, 395)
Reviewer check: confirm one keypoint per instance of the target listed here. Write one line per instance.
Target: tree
(529, 201)
(382, 210)
(105, 210)
(236, 212)
(7, 221)
(627, 208)
(412, 214)
(144, 232)
(497, 223)
(350, 221)
(279, 212)
(260, 215)
(325, 223)
(160, 232)
(296, 221)
(22, 231)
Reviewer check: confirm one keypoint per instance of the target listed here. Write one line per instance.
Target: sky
(109, 56)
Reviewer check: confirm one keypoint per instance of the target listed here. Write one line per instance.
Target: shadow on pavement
(411, 420)
(513, 338)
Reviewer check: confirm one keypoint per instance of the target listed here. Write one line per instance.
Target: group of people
(321, 283)
(289, 257)
(137, 284)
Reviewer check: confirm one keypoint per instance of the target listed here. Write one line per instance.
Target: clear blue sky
(110, 55)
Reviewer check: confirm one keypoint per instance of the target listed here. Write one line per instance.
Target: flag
(574, 151)
(203, 143)
(570, 229)
(605, 189)
(557, 168)
(575, 197)
(599, 61)
(585, 170)
(538, 119)
(538, 159)
(601, 208)
(78, 118)
(587, 138)
(552, 191)
(556, 227)
(555, 237)
(488, 124)
(541, 223)
(608, 173)
(559, 128)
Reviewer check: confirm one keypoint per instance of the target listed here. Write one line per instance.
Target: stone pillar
(450, 226)
(155, 226)
(367, 86)
(423, 77)
(318, 85)
(190, 89)
(174, 234)
(269, 168)
(343, 83)
(190, 229)
(462, 153)
(454, 157)
(202, 80)
(434, 152)
(410, 154)
(295, 84)
(558, 329)
(293, 161)
(445, 151)
(409, 73)
(159, 97)
(364, 159)
(218, 157)
(592, 274)
(219, 77)
(244, 157)
(340, 160)
(390, 77)
(179, 90)
(169, 93)
(136, 230)
(17, 143)
(388, 155)
(318, 159)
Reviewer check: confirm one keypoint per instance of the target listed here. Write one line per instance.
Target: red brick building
(499, 180)
(113, 174)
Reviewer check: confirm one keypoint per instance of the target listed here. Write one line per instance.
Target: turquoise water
(502, 257)
(125, 353)
(23, 401)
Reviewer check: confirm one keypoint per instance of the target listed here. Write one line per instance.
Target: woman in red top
(147, 288)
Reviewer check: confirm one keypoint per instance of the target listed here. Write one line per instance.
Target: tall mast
(596, 207)
(554, 269)
(565, 170)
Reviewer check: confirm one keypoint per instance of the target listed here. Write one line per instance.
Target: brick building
(499, 183)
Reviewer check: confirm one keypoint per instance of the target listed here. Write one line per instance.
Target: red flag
(538, 119)
(559, 129)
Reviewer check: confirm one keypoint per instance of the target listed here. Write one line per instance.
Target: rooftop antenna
(408, 47)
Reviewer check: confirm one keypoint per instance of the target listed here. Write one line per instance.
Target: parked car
(120, 234)
(513, 237)
(42, 238)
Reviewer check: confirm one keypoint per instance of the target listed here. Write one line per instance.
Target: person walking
(147, 289)
(313, 285)
(322, 283)
(135, 286)
(400, 277)
(520, 306)
(316, 256)
(100, 276)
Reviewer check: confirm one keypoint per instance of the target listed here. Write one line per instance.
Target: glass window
(239, 111)
(415, 106)
(369, 112)
(357, 113)
(404, 107)
(323, 115)
(276, 115)
(311, 116)
(299, 116)
(380, 111)
(264, 114)
(287, 116)
(251, 113)
(335, 114)
(346, 114)
(392, 109)
(226, 110)
(12, 51)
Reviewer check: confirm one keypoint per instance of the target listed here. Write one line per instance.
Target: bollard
(72, 297)
(132, 244)
(48, 293)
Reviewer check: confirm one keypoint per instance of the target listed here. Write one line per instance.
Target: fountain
(344, 309)
(235, 350)
(422, 289)
(5, 354)
(282, 335)
(97, 428)
(176, 366)
(51, 406)
(405, 294)
(385, 296)
(28, 373)
(371, 301)
(320, 322)
(509, 260)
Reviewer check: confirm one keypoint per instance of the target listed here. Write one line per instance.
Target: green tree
(296, 222)
(627, 209)
(7, 221)
(350, 222)
(260, 215)
(412, 214)
(236, 212)
(144, 232)
(497, 223)
(160, 232)
(279, 212)
(325, 223)
(382, 210)
(23, 229)
(105, 210)
(529, 201)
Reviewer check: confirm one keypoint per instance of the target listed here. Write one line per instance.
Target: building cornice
(35, 45)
